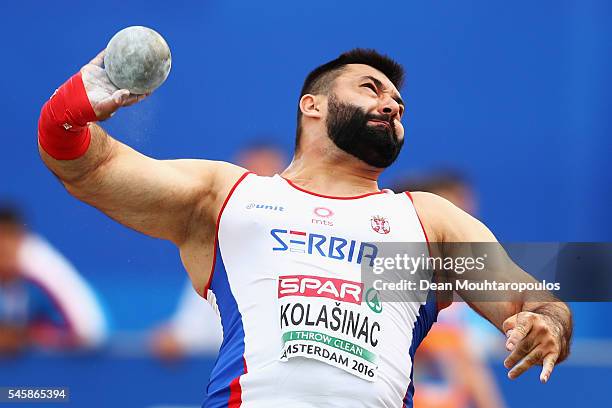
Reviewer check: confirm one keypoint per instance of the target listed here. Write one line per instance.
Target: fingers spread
(547, 367)
(522, 349)
(531, 359)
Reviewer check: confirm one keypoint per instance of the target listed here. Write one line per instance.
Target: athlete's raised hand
(104, 96)
(534, 339)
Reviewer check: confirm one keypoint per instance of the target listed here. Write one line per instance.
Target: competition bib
(324, 318)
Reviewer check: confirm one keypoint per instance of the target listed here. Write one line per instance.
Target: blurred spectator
(195, 327)
(447, 183)
(43, 300)
(450, 370)
(262, 158)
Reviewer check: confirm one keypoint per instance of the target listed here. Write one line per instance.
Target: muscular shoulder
(214, 173)
(212, 179)
(445, 222)
(216, 179)
(225, 178)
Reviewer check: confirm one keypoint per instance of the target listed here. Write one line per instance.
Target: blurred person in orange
(43, 300)
(262, 157)
(449, 371)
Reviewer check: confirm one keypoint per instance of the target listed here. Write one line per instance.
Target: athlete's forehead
(362, 72)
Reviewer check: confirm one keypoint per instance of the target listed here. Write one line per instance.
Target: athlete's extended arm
(158, 198)
(538, 329)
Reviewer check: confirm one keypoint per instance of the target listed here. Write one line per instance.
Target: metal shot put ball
(138, 59)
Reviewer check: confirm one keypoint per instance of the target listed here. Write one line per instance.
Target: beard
(348, 128)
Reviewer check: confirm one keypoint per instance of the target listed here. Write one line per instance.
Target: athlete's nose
(390, 107)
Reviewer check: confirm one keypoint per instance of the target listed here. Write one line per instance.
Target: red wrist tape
(62, 126)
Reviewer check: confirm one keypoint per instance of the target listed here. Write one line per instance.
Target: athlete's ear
(310, 106)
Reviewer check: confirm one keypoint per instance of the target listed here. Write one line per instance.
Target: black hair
(319, 80)
(11, 216)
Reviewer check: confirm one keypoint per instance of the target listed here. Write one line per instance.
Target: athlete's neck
(334, 176)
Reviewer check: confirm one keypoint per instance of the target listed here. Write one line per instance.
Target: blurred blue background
(516, 94)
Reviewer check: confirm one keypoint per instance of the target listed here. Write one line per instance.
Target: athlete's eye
(370, 86)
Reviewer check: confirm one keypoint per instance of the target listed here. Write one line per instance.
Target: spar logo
(323, 245)
(319, 286)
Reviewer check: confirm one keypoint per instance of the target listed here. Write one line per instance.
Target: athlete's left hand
(533, 339)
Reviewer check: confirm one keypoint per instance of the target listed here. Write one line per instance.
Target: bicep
(460, 235)
(156, 197)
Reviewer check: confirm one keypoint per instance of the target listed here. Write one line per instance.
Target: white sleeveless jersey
(300, 330)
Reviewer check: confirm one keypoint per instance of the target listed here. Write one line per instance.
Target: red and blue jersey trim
(428, 314)
(224, 389)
